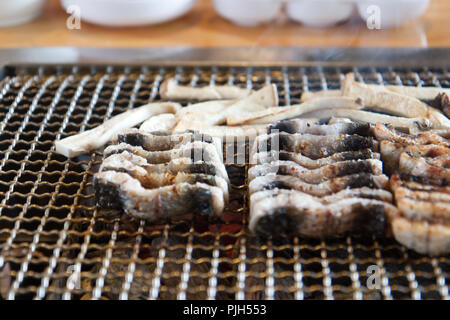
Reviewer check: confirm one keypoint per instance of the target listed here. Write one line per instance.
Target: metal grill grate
(55, 244)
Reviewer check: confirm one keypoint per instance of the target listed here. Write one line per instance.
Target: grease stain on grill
(193, 260)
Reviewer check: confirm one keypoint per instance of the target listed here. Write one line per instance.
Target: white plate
(130, 12)
(14, 12)
(248, 13)
(320, 13)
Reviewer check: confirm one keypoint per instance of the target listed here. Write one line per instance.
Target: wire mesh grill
(55, 243)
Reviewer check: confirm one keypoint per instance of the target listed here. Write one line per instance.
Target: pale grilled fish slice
(265, 157)
(410, 124)
(196, 151)
(150, 179)
(364, 192)
(421, 236)
(424, 210)
(273, 181)
(416, 190)
(420, 204)
(163, 140)
(315, 176)
(310, 127)
(391, 151)
(383, 132)
(120, 190)
(313, 146)
(128, 160)
(420, 168)
(421, 184)
(298, 214)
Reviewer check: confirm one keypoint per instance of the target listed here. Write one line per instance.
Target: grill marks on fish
(195, 151)
(359, 180)
(158, 176)
(318, 175)
(195, 158)
(273, 155)
(324, 181)
(391, 151)
(419, 167)
(155, 176)
(314, 146)
(384, 132)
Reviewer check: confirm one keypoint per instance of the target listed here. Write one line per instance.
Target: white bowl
(248, 13)
(320, 13)
(393, 13)
(130, 12)
(14, 12)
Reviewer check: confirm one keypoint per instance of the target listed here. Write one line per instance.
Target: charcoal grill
(55, 243)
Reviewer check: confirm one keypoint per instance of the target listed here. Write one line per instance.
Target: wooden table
(202, 27)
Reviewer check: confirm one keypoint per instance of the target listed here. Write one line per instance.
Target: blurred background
(224, 23)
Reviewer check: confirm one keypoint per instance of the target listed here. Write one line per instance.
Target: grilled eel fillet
(423, 219)
(273, 155)
(196, 152)
(391, 151)
(328, 183)
(119, 190)
(328, 187)
(308, 126)
(318, 175)
(313, 146)
(160, 176)
(301, 214)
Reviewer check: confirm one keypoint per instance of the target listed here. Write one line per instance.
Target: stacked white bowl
(129, 12)
(321, 13)
(14, 12)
